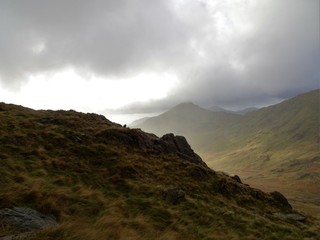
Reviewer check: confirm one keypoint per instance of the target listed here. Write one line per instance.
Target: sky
(141, 57)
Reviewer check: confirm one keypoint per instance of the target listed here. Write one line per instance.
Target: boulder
(180, 146)
(237, 178)
(278, 197)
(26, 218)
(199, 173)
(290, 216)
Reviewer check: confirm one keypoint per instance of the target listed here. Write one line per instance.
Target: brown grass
(108, 187)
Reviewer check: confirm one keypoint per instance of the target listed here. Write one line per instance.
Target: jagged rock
(149, 142)
(26, 218)
(290, 216)
(237, 178)
(228, 189)
(97, 116)
(281, 199)
(199, 173)
(174, 195)
(179, 145)
(130, 137)
(257, 194)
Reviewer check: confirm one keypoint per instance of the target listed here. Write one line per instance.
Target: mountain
(246, 110)
(187, 119)
(273, 147)
(241, 112)
(139, 121)
(100, 180)
(218, 109)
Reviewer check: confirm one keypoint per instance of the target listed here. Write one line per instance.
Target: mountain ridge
(271, 144)
(102, 180)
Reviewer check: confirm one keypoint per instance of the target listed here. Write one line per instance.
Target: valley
(95, 179)
(276, 147)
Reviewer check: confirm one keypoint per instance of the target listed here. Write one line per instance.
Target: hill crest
(91, 174)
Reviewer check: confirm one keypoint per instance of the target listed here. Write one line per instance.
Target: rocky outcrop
(135, 138)
(237, 178)
(179, 145)
(278, 197)
(200, 173)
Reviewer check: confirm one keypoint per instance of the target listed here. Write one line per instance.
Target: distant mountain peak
(186, 104)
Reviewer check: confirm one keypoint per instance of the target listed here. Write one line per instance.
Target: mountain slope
(273, 147)
(241, 112)
(247, 110)
(103, 181)
(189, 120)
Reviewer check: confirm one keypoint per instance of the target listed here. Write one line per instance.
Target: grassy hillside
(189, 120)
(273, 147)
(103, 181)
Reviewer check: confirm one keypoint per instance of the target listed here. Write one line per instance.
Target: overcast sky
(148, 55)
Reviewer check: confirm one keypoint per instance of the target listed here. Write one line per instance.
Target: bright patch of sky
(139, 56)
(69, 90)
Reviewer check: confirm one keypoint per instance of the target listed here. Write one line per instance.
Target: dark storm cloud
(280, 59)
(103, 37)
(228, 53)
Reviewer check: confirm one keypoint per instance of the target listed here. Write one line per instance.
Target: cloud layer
(223, 52)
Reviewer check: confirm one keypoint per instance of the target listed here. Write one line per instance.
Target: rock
(180, 146)
(174, 195)
(257, 194)
(131, 138)
(20, 236)
(199, 173)
(237, 178)
(290, 216)
(26, 218)
(95, 116)
(281, 199)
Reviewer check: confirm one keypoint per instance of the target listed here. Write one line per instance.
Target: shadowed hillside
(273, 147)
(191, 121)
(102, 181)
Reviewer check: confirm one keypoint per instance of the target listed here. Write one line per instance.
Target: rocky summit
(96, 179)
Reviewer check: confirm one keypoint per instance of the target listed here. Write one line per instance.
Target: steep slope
(241, 112)
(191, 121)
(139, 121)
(104, 181)
(278, 142)
(273, 147)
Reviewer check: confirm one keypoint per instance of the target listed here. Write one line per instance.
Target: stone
(180, 146)
(281, 199)
(26, 218)
(237, 178)
(290, 216)
(199, 173)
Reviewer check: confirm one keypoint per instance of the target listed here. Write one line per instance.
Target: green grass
(262, 147)
(100, 182)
